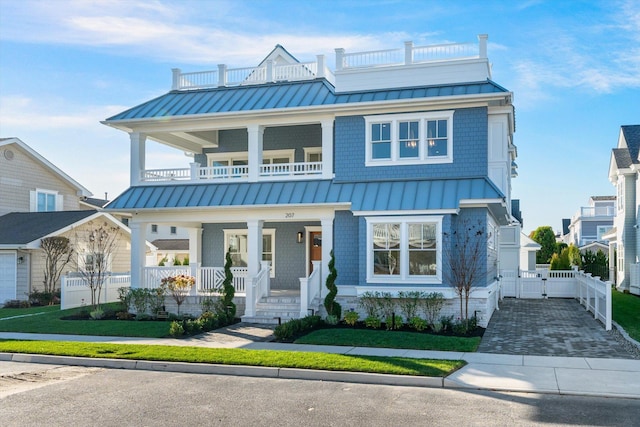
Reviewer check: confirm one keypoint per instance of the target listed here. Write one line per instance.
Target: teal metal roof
(362, 196)
(317, 92)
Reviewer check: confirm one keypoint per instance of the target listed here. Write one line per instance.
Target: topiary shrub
(332, 307)
(228, 291)
(351, 318)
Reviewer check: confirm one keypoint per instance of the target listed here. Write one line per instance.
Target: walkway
(552, 327)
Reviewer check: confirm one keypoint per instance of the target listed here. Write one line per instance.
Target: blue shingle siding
(478, 218)
(346, 247)
(290, 256)
(470, 134)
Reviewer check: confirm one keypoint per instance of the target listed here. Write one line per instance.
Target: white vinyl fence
(74, 291)
(590, 291)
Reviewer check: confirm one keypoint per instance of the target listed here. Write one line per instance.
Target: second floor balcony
(594, 212)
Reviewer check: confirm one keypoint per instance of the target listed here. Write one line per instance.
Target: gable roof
(284, 95)
(631, 135)
(22, 229)
(4, 142)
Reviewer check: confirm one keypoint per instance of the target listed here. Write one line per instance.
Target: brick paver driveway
(552, 327)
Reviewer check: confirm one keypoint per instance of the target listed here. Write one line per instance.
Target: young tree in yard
(464, 250)
(547, 239)
(99, 241)
(57, 254)
(179, 287)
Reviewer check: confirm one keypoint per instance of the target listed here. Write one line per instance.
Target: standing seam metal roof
(369, 196)
(284, 95)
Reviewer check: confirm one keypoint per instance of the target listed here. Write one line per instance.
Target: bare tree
(98, 242)
(57, 254)
(465, 249)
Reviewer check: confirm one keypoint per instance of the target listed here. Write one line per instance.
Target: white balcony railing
(301, 170)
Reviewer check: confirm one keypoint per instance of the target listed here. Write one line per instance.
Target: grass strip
(12, 312)
(225, 356)
(389, 339)
(626, 312)
(51, 323)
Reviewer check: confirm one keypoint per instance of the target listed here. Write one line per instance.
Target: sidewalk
(536, 374)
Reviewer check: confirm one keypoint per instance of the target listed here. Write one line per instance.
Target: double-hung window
(404, 249)
(416, 138)
(236, 241)
(45, 201)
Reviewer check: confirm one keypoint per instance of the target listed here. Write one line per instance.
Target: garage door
(7, 277)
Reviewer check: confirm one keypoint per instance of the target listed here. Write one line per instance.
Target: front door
(315, 248)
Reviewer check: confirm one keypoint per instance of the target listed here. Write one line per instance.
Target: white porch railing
(258, 287)
(208, 279)
(299, 170)
(310, 288)
(74, 291)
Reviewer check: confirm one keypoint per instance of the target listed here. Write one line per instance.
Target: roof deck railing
(270, 72)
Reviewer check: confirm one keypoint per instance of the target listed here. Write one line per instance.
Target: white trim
(245, 232)
(422, 119)
(311, 150)
(404, 277)
(308, 229)
(408, 212)
(244, 155)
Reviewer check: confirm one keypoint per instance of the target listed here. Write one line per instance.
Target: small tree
(560, 262)
(575, 257)
(332, 307)
(179, 287)
(465, 251)
(99, 243)
(57, 254)
(228, 291)
(547, 239)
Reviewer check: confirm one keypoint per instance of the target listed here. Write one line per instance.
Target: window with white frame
(414, 138)
(404, 249)
(236, 241)
(312, 154)
(602, 230)
(241, 158)
(45, 201)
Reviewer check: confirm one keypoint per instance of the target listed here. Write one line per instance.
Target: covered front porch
(280, 261)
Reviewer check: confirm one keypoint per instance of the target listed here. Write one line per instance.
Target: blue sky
(573, 66)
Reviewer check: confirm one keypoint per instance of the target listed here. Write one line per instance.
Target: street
(33, 395)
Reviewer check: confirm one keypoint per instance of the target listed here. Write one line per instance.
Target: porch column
(327, 149)
(254, 256)
(138, 142)
(255, 133)
(138, 252)
(195, 249)
(327, 247)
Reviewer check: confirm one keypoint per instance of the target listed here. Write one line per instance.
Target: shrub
(351, 318)
(393, 322)
(179, 287)
(386, 304)
(409, 302)
(332, 307)
(369, 304)
(432, 305)
(437, 326)
(418, 323)
(185, 261)
(176, 261)
(228, 291)
(447, 322)
(372, 322)
(44, 298)
(294, 327)
(176, 330)
(14, 303)
(96, 314)
(124, 315)
(332, 319)
(124, 295)
(139, 300)
(155, 299)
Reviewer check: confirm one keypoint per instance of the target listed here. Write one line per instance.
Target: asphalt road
(50, 395)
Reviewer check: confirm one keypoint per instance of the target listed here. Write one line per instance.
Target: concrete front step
(265, 320)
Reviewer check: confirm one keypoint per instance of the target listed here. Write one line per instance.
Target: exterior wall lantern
(20, 259)
(300, 237)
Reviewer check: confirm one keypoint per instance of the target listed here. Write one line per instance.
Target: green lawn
(281, 359)
(51, 323)
(389, 339)
(11, 312)
(626, 312)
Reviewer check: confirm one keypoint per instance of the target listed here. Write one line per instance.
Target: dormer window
(419, 138)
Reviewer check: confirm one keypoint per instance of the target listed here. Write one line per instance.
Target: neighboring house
(591, 222)
(39, 200)
(171, 242)
(378, 162)
(624, 168)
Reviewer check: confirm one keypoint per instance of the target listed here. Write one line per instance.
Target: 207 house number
(289, 214)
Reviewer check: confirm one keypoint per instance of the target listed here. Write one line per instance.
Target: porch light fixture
(300, 237)
(20, 260)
